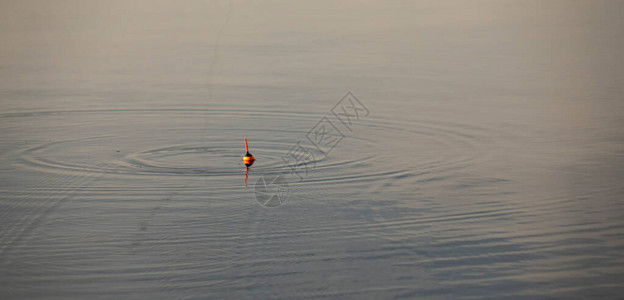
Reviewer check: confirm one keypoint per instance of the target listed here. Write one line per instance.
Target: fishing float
(248, 159)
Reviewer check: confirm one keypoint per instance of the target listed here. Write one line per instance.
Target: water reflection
(246, 170)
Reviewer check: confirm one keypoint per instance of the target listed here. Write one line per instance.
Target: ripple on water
(78, 167)
(453, 146)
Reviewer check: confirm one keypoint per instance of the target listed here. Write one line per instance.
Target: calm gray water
(488, 164)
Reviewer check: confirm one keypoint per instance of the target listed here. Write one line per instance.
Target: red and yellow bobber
(248, 159)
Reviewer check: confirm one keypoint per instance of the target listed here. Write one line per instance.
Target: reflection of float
(246, 169)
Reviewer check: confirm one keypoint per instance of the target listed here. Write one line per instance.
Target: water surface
(489, 163)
